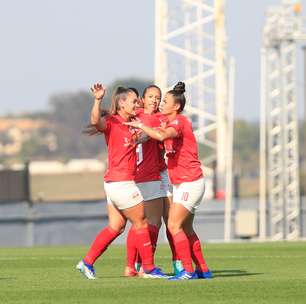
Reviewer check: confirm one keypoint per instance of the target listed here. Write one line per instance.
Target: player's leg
(115, 226)
(177, 216)
(136, 215)
(168, 200)
(131, 253)
(152, 193)
(176, 262)
(196, 250)
(153, 213)
(187, 197)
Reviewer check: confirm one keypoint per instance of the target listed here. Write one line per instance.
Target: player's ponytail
(178, 94)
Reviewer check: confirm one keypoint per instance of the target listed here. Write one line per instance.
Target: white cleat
(87, 270)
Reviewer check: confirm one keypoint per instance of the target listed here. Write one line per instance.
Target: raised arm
(99, 122)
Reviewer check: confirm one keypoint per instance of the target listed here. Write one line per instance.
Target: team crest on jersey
(127, 142)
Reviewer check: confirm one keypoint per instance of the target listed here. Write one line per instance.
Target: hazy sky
(51, 46)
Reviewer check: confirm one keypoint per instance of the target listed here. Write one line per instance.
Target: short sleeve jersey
(120, 140)
(148, 152)
(183, 163)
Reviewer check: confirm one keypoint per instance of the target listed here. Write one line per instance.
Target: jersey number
(139, 154)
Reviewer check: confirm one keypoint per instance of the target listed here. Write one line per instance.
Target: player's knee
(140, 223)
(173, 226)
(117, 226)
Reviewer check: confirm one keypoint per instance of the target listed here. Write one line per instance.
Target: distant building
(14, 132)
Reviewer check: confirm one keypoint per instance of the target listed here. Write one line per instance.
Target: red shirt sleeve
(107, 124)
(177, 125)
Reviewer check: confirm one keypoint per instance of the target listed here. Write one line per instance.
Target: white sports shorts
(123, 195)
(189, 194)
(151, 190)
(166, 185)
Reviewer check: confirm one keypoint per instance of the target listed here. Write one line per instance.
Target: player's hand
(134, 124)
(98, 91)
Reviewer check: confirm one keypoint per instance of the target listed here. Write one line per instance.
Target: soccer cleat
(87, 270)
(130, 272)
(184, 275)
(155, 273)
(204, 275)
(177, 266)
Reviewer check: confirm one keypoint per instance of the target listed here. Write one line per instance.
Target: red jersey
(120, 140)
(147, 152)
(183, 162)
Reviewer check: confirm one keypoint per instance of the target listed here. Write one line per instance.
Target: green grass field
(243, 273)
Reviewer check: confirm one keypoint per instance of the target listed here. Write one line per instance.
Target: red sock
(100, 244)
(182, 247)
(145, 249)
(154, 236)
(196, 253)
(170, 240)
(131, 247)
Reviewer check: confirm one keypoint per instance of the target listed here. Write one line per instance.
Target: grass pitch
(243, 273)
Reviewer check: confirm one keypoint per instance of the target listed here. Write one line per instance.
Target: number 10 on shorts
(185, 196)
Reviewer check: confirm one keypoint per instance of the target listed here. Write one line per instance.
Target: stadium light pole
(190, 45)
(229, 154)
(283, 30)
(263, 151)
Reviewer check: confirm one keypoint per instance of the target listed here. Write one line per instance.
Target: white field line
(70, 258)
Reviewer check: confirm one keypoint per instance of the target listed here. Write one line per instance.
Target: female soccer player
(124, 198)
(152, 181)
(187, 179)
(147, 179)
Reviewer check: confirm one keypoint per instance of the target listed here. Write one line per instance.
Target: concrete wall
(77, 223)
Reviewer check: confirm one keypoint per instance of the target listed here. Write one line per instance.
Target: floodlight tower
(279, 177)
(190, 45)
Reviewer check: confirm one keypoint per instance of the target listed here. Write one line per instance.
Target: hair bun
(179, 87)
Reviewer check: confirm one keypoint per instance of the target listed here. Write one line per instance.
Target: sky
(53, 46)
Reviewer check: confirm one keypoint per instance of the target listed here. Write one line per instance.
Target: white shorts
(189, 194)
(167, 187)
(151, 190)
(123, 195)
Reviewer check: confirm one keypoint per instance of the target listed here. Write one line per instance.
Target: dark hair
(149, 87)
(135, 91)
(178, 93)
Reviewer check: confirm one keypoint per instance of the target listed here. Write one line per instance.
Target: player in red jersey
(124, 198)
(152, 181)
(147, 178)
(187, 179)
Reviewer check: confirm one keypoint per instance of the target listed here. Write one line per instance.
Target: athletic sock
(145, 249)
(182, 247)
(154, 230)
(131, 247)
(173, 250)
(100, 244)
(154, 237)
(196, 253)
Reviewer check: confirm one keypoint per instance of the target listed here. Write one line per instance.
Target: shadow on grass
(7, 279)
(233, 273)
